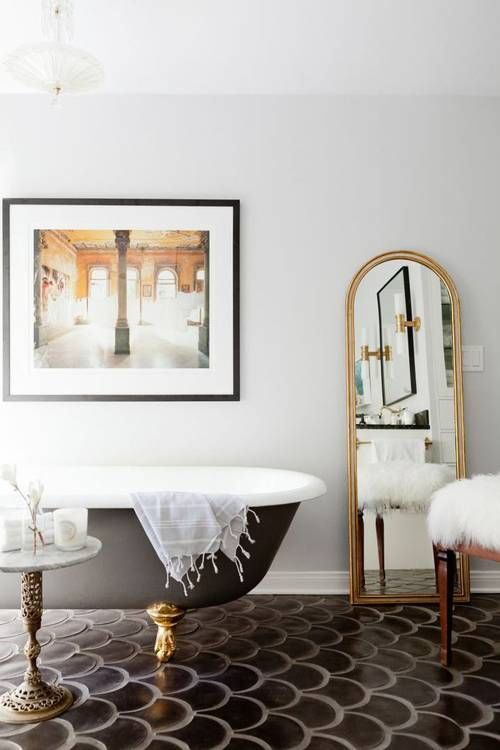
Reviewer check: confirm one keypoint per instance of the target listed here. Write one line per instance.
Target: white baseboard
(485, 581)
(304, 582)
(337, 582)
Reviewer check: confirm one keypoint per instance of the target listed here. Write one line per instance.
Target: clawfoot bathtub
(225, 585)
(274, 494)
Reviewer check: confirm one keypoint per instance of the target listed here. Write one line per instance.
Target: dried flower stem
(33, 512)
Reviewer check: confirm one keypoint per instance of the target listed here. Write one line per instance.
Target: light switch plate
(473, 358)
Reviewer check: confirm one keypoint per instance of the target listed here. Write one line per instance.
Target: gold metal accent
(166, 616)
(366, 353)
(402, 324)
(33, 700)
(427, 441)
(356, 595)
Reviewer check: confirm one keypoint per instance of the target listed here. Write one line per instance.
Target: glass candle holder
(70, 528)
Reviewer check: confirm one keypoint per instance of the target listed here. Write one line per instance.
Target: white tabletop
(47, 558)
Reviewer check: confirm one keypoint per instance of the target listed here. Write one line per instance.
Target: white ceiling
(279, 46)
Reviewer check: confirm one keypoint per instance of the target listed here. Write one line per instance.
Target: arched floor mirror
(405, 423)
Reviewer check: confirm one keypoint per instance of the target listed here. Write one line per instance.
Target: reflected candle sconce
(388, 348)
(401, 323)
(367, 352)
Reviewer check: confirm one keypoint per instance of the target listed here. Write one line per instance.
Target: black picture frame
(7, 203)
(409, 331)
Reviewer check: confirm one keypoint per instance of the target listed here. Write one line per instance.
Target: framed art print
(116, 300)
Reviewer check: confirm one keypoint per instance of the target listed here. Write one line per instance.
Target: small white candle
(364, 337)
(70, 528)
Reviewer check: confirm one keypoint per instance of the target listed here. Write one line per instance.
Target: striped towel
(184, 527)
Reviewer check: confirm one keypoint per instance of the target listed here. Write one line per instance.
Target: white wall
(325, 183)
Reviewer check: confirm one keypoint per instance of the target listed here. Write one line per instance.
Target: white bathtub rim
(59, 493)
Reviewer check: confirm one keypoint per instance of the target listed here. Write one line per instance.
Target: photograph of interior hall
(121, 298)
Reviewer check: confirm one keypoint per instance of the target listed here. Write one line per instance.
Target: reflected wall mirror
(405, 423)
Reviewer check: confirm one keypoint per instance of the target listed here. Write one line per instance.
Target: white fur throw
(467, 512)
(400, 485)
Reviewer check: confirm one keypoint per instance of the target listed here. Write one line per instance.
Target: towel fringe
(239, 567)
(244, 551)
(196, 571)
(212, 557)
(175, 566)
(251, 510)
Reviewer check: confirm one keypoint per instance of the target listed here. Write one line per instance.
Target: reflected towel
(398, 450)
(184, 527)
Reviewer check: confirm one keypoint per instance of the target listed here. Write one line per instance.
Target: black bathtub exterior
(225, 586)
(127, 573)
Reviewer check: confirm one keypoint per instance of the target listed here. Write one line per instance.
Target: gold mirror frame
(355, 594)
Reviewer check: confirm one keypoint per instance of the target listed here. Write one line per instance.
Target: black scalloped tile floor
(279, 673)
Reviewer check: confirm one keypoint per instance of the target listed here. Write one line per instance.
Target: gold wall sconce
(402, 324)
(366, 353)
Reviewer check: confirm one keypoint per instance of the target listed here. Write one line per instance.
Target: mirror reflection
(405, 422)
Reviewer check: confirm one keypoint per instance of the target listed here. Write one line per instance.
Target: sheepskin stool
(404, 486)
(464, 517)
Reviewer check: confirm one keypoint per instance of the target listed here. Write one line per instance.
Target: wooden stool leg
(379, 525)
(361, 548)
(446, 575)
(435, 555)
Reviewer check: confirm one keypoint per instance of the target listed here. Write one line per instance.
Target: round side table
(35, 700)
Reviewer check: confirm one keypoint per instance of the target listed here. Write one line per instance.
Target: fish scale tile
(272, 672)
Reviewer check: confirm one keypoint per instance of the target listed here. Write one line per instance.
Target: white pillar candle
(400, 342)
(70, 528)
(399, 306)
(373, 347)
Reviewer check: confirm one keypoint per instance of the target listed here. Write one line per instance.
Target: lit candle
(70, 528)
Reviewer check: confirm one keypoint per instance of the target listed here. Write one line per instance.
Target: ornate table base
(33, 700)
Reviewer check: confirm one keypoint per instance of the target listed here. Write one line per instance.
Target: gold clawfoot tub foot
(166, 616)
